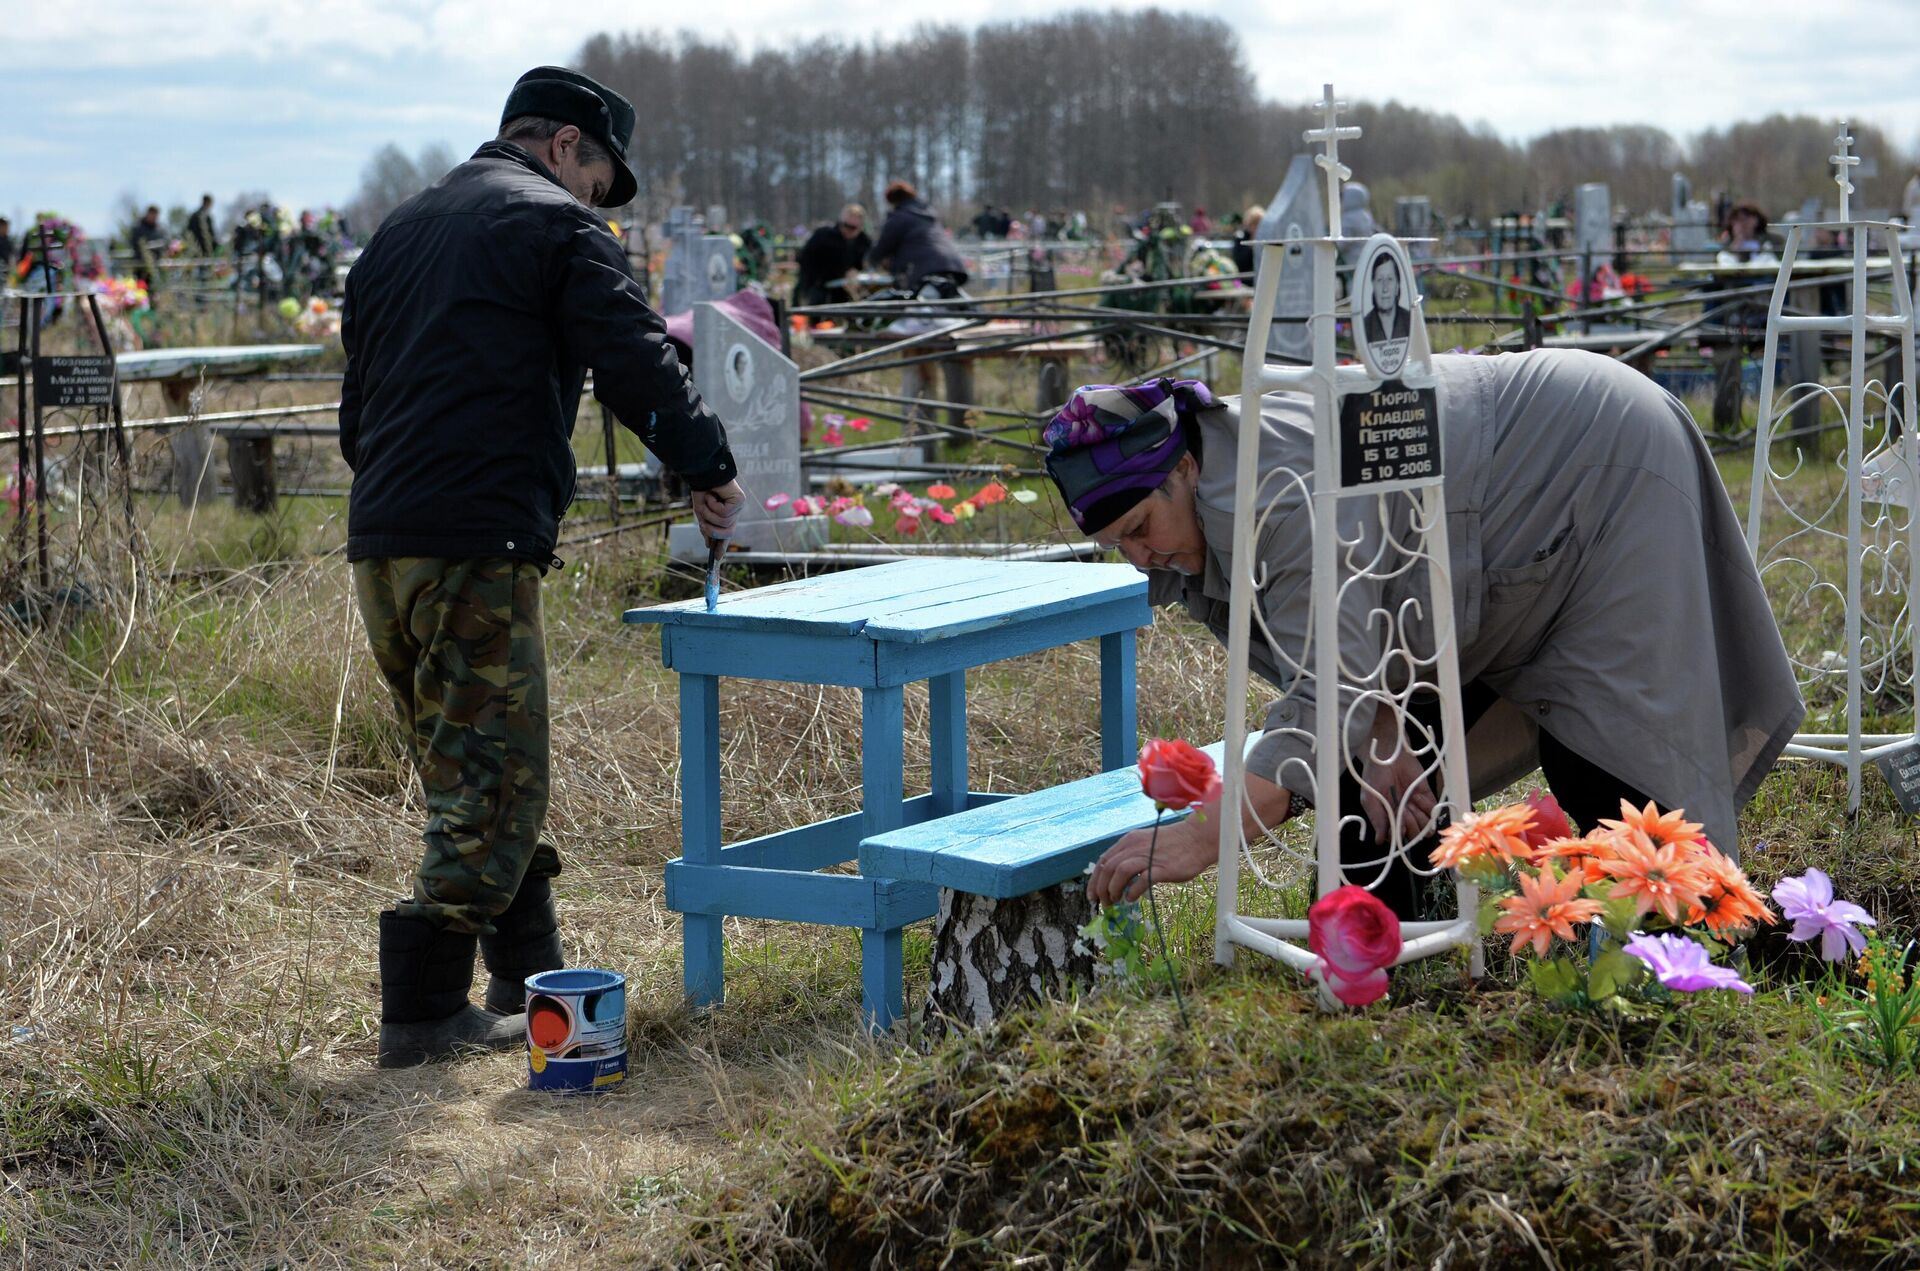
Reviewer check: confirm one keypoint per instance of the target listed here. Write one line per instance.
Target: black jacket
(469, 322)
(914, 244)
(826, 256)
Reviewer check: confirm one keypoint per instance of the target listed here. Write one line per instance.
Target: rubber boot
(425, 972)
(526, 940)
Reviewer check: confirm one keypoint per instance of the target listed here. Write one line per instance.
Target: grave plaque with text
(73, 381)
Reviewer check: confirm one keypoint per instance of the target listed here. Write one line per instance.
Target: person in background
(1244, 236)
(469, 325)
(832, 254)
(1202, 226)
(202, 237)
(149, 243)
(1746, 233)
(9, 251)
(914, 246)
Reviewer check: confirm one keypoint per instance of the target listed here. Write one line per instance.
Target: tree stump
(991, 956)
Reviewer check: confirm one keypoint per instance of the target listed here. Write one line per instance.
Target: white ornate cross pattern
(1842, 160)
(1330, 134)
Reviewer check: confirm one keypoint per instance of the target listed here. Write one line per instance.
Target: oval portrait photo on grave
(1383, 306)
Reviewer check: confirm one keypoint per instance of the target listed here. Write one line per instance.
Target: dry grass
(204, 808)
(205, 802)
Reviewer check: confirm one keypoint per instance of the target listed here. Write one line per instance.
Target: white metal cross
(1330, 134)
(1842, 160)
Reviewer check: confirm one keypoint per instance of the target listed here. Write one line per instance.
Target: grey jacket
(1601, 584)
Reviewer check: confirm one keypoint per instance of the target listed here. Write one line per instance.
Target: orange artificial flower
(1501, 832)
(1580, 857)
(990, 493)
(1729, 902)
(1546, 907)
(1661, 827)
(1667, 877)
(940, 490)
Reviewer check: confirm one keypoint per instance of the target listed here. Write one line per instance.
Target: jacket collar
(514, 154)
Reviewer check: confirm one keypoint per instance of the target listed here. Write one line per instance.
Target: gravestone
(699, 265)
(1691, 232)
(1297, 212)
(1593, 223)
(755, 389)
(1413, 217)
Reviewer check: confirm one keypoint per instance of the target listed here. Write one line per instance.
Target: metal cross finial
(1842, 160)
(1330, 134)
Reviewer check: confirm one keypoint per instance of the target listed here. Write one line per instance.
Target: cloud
(173, 97)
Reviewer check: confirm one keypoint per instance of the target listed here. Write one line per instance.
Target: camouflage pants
(461, 646)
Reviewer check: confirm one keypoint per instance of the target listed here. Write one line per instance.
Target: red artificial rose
(1354, 934)
(1549, 822)
(1177, 775)
(1364, 991)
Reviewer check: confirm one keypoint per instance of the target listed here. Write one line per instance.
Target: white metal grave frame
(1402, 534)
(1878, 467)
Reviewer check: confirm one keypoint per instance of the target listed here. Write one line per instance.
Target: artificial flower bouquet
(1642, 900)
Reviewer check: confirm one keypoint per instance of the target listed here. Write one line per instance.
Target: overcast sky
(166, 98)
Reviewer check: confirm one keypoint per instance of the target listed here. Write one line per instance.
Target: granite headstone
(755, 390)
(1298, 212)
(1593, 222)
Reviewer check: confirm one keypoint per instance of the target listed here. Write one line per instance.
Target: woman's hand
(1396, 785)
(1185, 850)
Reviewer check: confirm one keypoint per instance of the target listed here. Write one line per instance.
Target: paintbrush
(714, 548)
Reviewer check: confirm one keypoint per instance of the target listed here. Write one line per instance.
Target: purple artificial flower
(1679, 963)
(1808, 901)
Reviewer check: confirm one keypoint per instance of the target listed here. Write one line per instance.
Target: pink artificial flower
(1680, 964)
(859, 423)
(907, 525)
(1807, 902)
(833, 437)
(1361, 991)
(1549, 821)
(774, 502)
(941, 516)
(1177, 774)
(1357, 938)
(857, 516)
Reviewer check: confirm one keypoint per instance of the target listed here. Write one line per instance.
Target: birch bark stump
(991, 956)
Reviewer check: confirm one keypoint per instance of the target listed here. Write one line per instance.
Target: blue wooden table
(875, 629)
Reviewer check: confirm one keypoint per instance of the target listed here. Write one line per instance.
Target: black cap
(554, 92)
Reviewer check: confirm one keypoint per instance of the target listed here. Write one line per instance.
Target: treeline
(1099, 110)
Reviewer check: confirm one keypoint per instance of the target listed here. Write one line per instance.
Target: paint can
(576, 1030)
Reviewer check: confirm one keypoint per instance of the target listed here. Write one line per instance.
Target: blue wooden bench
(876, 629)
(1020, 844)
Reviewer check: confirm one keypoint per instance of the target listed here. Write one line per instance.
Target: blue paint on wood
(947, 728)
(1022, 844)
(1119, 723)
(700, 768)
(882, 977)
(879, 629)
(836, 900)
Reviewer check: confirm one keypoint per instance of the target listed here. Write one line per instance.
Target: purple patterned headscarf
(1112, 445)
